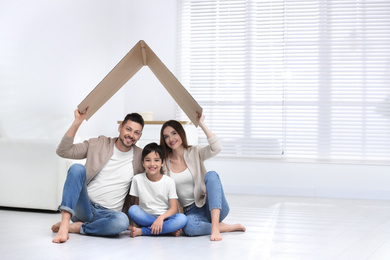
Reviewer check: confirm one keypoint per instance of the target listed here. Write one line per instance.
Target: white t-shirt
(110, 186)
(153, 196)
(184, 187)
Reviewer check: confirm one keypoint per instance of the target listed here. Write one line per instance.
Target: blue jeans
(96, 219)
(145, 220)
(199, 219)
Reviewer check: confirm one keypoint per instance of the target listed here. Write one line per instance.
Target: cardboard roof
(140, 55)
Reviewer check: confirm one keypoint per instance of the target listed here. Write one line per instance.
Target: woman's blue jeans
(145, 220)
(199, 219)
(96, 219)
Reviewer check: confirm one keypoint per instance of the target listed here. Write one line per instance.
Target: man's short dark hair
(135, 117)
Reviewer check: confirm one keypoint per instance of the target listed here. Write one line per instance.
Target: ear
(120, 127)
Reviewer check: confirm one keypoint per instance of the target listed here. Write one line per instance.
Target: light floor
(277, 228)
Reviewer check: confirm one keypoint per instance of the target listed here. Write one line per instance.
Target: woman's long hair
(179, 129)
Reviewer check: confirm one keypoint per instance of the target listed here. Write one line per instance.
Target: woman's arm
(157, 225)
(202, 125)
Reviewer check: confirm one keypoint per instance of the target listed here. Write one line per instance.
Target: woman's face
(172, 138)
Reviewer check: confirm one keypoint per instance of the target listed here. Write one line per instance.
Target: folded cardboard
(140, 55)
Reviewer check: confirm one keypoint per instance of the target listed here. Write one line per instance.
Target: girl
(155, 198)
(200, 192)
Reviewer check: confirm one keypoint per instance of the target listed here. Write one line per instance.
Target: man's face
(129, 134)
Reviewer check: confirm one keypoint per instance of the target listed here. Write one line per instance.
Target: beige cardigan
(97, 151)
(194, 156)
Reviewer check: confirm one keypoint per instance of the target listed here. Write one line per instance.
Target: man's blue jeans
(96, 219)
(145, 220)
(199, 219)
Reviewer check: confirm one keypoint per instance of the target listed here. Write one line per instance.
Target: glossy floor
(277, 228)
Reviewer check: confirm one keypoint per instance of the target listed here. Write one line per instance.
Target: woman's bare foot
(135, 232)
(215, 234)
(223, 227)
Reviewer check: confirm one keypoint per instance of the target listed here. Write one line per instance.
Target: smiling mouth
(129, 140)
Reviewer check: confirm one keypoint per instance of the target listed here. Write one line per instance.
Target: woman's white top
(184, 187)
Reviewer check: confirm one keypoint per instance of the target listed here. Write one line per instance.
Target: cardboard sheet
(140, 55)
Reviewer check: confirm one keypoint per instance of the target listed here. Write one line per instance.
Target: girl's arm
(157, 225)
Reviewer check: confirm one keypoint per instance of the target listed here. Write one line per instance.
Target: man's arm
(66, 148)
(78, 120)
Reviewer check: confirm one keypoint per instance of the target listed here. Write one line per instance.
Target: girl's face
(172, 138)
(152, 163)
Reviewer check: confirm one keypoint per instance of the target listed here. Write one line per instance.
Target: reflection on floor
(277, 228)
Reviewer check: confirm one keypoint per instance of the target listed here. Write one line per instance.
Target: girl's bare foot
(176, 233)
(135, 232)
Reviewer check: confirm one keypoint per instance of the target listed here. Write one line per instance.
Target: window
(291, 79)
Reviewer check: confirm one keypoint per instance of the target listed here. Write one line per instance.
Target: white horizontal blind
(291, 79)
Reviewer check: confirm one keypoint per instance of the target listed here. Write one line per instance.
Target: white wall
(53, 53)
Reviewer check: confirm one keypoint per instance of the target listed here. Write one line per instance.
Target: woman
(200, 192)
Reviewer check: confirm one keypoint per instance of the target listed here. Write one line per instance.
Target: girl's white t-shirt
(153, 196)
(110, 186)
(184, 187)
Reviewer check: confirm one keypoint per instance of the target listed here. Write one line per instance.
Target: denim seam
(71, 211)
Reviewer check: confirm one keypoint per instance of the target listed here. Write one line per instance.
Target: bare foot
(63, 233)
(75, 227)
(177, 233)
(135, 232)
(215, 234)
(223, 227)
(56, 227)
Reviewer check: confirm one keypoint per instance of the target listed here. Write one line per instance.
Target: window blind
(290, 79)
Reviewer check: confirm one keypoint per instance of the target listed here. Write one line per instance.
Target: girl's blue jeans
(199, 219)
(96, 219)
(145, 220)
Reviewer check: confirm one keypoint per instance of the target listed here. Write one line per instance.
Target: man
(94, 195)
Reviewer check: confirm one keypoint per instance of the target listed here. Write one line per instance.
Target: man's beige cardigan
(97, 151)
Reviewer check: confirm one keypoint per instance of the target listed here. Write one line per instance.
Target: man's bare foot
(64, 230)
(215, 234)
(63, 233)
(75, 227)
(56, 227)
(135, 232)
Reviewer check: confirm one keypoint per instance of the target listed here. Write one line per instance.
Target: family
(122, 186)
